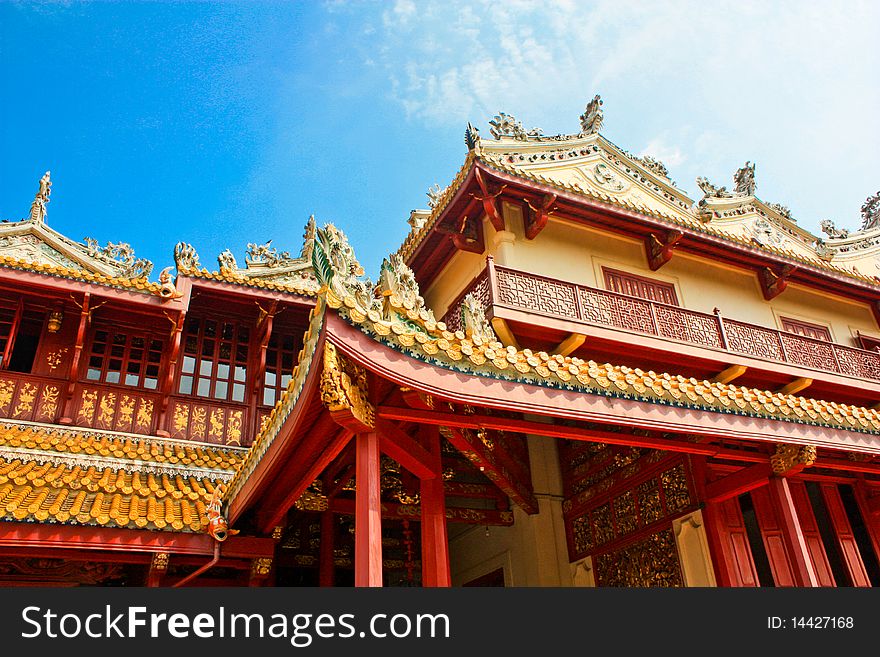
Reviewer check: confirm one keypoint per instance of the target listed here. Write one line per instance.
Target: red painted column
(435, 544)
(793, 537)
(368, 512)
(326, 566)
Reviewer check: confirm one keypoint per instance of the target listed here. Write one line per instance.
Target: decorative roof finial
(744, 180)
(471, 136)
(308, 239)
(591, 119)
(185, 257)
(870, 212)
(38, 207)
(227, 262)
(832, 231)
(435, 195)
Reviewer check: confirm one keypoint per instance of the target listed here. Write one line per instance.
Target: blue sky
(223, 124)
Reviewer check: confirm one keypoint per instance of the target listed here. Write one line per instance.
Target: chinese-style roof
(398, 319)
(590, 167)
(64, 475)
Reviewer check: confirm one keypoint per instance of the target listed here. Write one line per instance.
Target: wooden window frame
(275, 370)
(790, 325)
(125, 358)
(230, 382)
(608, 273)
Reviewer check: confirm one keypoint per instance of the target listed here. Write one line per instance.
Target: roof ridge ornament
(227, 262)
(435, 195)
(833, 232)
(592, 118)
(871, 212)
(338, 271)
(38, 207)
(471, 136)
(121, 255)
(185, 257)
(505, 125)
(744, 180)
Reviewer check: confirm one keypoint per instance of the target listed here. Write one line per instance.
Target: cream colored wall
(533, 551)
(575, 253)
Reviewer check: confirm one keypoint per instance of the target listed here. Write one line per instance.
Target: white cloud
(705, 85)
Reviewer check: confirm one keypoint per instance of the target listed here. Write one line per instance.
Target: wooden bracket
(794, 387)
(489, 197)
(774, 281)
(659, 249)
(729, 374)
(535, 218)
(470, 237)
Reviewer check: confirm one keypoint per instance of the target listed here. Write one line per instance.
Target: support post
(326, 565)
(435, 544)
(793, 537)
(368, 512)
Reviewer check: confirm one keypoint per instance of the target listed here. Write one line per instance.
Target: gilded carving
(233, 429)
(675, 489)
(604, 529)
(215, 422)
(625, 512)
(648, 493)
(159, 562)
(126, 411)
(337, 270)
(311, 501)
(199, 417)
(87, 406)
(48, 403)
(344, 386)
(789, 458)
(181, 419)
(26, 396)
(54, 358)
(650, 562)
(261, 567)
(122, 255)
(145, 415)
(473, 318)
(504, 125)
(7, 390)
(582, 534)
(107, 410)
(185, 257)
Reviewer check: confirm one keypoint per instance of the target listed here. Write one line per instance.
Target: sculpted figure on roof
(871, 212)
(38, 207)
(504, 125)
(265, 254)
(710, 190)
(120, 253)
(308, 239)
(185, 256)
(474, 321)
(397, 283)
(833, 231)
(744, 180)
(337, 268)
(435, 194)
(227, 261)
(591, 119)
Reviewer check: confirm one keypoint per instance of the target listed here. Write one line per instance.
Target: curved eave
(612, 407)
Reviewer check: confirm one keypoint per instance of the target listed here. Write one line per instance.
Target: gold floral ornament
(789, 459)
(344, 387)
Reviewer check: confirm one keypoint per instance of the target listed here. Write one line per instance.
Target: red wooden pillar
(326, 566)
(435, 545)
(368, 512)
(801, 564)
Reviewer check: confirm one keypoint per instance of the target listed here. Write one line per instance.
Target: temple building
(569, 374)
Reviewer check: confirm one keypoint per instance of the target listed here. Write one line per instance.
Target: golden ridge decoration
(344, 387)
(789, 459)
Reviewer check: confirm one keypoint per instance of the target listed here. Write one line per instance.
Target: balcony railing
(553, 298)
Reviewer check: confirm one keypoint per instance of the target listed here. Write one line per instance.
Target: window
(9, 318)
(281, 355)
(637, 286)
(215, 359)
(868, 342)
(815, 331)
(126, 358)
(26, 341)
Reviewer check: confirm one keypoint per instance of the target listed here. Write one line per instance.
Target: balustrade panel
(27, 397)
(687, 326)
(537, 293)
(857, 362)
(115, 409)
(753, 340)
(607, 309)
(211, 423)
(816, 354)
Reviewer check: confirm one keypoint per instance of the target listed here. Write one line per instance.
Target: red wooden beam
(435, 543)
(326, 560)
(274, 509)
(556, 431)
(73, 538)
(792, 535)
(774, 280)
(368, 512)
(397, 511)
(738, 483)
(406, 451)
(536, 217)
(479, 455)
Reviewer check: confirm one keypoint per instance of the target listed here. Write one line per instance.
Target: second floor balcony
(525, 299)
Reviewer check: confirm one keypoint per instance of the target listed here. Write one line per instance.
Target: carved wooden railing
(29, 397)
(502, 286)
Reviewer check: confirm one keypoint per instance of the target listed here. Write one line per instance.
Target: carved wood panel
(816, 354)
(209, 423)
(116, 409)
(753, 340)
(688, 326)
(29, 398)
(537, 294)
(600, 307)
